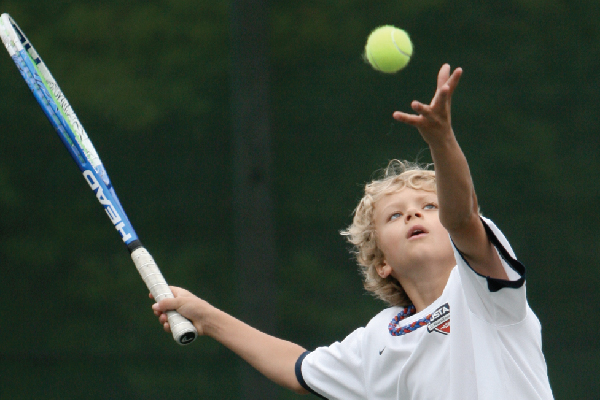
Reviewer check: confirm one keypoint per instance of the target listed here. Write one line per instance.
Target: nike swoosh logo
(381, 351)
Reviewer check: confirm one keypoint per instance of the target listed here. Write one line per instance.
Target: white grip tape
(183, 330)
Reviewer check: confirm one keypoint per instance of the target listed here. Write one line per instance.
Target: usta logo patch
(440, 320)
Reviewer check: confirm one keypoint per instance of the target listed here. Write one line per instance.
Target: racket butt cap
(187, 338)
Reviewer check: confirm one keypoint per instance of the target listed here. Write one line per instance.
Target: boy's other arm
(273, 357)
(458, 203)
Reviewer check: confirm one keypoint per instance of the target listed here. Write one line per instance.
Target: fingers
(452, 82)
(416, 120)
(443, 75)
(163, 319)
(441, 97)
(420, 108)
(179, 292)
(184, 302)
(446, 84)
(166, 305)
(181, 296)
(162, 316)
(444, 92)
(160, 310)
(410, 119)
(164, 322)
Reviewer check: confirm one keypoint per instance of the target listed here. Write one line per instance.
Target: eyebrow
(419, 198)
(395, 204)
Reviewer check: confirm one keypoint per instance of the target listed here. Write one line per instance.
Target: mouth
(416, 231)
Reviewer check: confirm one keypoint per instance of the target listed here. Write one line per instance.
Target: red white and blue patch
(440, 320)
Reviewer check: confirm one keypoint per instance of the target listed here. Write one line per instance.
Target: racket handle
(183, 330)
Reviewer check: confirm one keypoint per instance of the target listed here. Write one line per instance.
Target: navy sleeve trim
(495, 284)
(301, 378)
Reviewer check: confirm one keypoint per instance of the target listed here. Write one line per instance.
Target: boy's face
(410, 234)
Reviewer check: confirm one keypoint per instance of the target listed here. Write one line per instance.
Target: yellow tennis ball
(388, 49)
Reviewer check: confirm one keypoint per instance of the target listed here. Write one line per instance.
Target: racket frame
(70, 130)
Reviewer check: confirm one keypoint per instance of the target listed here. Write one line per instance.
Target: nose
(412, 213)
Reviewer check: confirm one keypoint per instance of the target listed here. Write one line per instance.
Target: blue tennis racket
(71, 133)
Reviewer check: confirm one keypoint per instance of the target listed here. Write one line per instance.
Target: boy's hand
(433, 121)
(186, 304)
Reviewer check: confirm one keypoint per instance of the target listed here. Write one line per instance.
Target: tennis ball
(388, 49)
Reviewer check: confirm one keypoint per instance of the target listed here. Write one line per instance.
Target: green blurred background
(153, 81)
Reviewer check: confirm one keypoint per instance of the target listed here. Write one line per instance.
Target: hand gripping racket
(71, 133)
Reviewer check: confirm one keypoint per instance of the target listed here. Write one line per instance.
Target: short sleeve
(334, 372)
(497, 301)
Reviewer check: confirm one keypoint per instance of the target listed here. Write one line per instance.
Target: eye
(395, 216)
(430, 206)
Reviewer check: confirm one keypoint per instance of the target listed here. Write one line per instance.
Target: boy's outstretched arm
(273, 357)
(458, 203)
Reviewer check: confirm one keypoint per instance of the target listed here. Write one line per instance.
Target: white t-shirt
(478, 340)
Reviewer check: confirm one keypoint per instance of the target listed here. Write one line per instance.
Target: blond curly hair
(362, 235)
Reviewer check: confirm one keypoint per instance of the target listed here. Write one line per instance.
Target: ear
(384, 270)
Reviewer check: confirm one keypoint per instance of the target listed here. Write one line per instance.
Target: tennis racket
(71, 133)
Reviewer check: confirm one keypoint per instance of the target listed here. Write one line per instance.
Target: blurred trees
(151, 83)
(253, 216)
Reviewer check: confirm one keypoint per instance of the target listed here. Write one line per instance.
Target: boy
(459, 326)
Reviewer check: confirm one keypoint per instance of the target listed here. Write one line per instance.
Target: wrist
(212, 321)
(442, 141)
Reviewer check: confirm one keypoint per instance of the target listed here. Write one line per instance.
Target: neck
(425, 286)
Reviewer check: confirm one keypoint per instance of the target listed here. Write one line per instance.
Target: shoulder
(496, 236)
(501, 301)
(513, 268)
